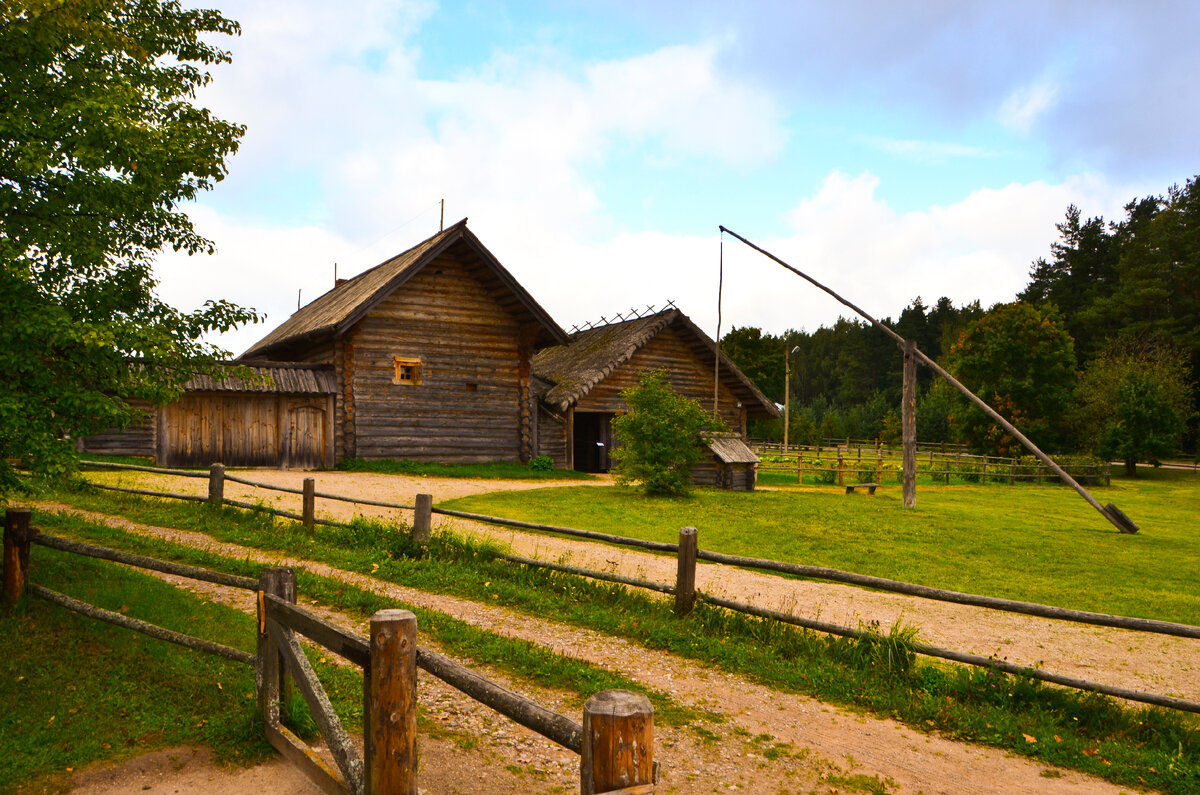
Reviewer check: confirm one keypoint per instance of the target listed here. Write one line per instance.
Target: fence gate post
(685, 577)
(216, 485)
(422, 519)
(268, 665)
(309, 511)
(16, 554)
(618, 742)
(390, 718)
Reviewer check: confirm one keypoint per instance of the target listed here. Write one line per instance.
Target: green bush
(542, 463)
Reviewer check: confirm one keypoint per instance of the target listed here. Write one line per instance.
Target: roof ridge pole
(717, 355)
(1110, 512)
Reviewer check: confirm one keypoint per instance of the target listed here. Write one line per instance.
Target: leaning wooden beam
(1007, 605)
(593, 574)
(340, 745)
(315, 769)
(570, 531)
(1110, 512)
(179, 569)
(146, 628)
(962, 657)
(529, 714)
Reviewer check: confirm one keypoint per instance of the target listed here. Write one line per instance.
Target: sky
(889, 150)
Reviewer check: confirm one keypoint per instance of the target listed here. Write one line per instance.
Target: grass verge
(1135, 747)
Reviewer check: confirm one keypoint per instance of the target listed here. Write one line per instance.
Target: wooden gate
(237, 429)
(306, 442)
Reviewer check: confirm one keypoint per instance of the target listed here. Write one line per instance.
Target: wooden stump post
(1012, 471)
(423, 519)
(618, 744)
(269, 670)
(216, 485)
(16, 554)
(390, 718)
(908, 426)
(1108, 474)
(309, 510)
(841, 464)
(983, 472)
(685, 577)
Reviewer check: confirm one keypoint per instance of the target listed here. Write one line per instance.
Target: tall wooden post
(390, 720)
(618, 743)
(309, 511)
(269, 671)
(16, 554)
(908, 424)
(216, 485)
(422, 519)
(685, 577)
(787, 396)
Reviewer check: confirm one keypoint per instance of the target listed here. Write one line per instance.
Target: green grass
(1129, 746)
(1042, 544)
(492, 470)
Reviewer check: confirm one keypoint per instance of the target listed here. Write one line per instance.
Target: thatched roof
(732, 450)
(343, 306)
(277, 377)
(593, 354)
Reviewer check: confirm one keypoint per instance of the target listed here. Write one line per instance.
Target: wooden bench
(870, 487)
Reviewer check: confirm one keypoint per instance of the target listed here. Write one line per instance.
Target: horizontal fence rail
(166, 567)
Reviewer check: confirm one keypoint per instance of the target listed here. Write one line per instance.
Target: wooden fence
(615, 740)
(834, 465)
(688, 553)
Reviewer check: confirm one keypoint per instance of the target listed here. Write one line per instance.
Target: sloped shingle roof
(345, 304)
(732, 450)
(278, 377)
(592, 355)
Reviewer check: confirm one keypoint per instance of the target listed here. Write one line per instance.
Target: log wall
(468, 405)
(246, 429)
(671, 351)
(552, 436)
(140, 438)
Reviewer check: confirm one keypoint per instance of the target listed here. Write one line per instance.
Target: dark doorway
(593, 441)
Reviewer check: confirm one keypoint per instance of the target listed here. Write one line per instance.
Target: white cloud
(1022, 108)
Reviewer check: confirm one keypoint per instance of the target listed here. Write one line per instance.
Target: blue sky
(890, 150)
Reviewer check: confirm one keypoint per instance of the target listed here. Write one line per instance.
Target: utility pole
(787, 393)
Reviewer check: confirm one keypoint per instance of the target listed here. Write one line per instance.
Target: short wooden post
(16, 554)
(1108, 474)
(947, 462)
(685, 576)
(840, 465)
(216, 485)
(269, 671)
(983, 471)
(1039, 474)
(618, 743)
(423, 519)
(310, 503)
(390, 719)
(1012, 471)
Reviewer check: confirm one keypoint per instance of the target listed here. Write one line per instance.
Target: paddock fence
(688, 554)
(615, 739)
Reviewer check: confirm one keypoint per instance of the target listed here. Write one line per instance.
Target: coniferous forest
(1099, 353)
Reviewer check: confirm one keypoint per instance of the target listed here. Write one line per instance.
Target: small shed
(730, 464)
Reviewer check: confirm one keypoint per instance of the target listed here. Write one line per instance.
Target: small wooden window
(408, 370)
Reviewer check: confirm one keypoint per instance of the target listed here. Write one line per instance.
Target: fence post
(422, 519)
(983, 481)
(1108, 474)
(947, 462)
(268, 665)
(216, 485)
(685, 576)
(390, 719)
(309, 511)
(16, 554)
(618, 742)
(1012, 471)
(840, 465)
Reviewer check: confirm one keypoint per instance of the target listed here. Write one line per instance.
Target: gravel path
(824, 742)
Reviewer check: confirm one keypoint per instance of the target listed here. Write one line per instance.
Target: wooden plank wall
(237, 429)
(552, 436)
(141, 438)
(670, 351)
(467, 407)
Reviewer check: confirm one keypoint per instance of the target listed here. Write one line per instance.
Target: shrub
(542, 463)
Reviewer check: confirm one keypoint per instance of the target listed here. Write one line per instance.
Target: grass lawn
(1036, 543)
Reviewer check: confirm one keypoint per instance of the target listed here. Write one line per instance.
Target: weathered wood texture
(246, 429)
(733, 477)
(552, 437)
(618, 742)
(468, 404)
(687, 374)
(16, 554)
(908, 414)
(685, 575)
(390, 731)
(140, 438)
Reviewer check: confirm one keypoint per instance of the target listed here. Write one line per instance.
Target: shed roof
(274, 377)
(732, 450)
(592, 355)
(337, 310)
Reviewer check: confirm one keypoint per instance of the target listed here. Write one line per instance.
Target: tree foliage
(1133, 403)
(1021, 361)
(99, 143)
(661, 437)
